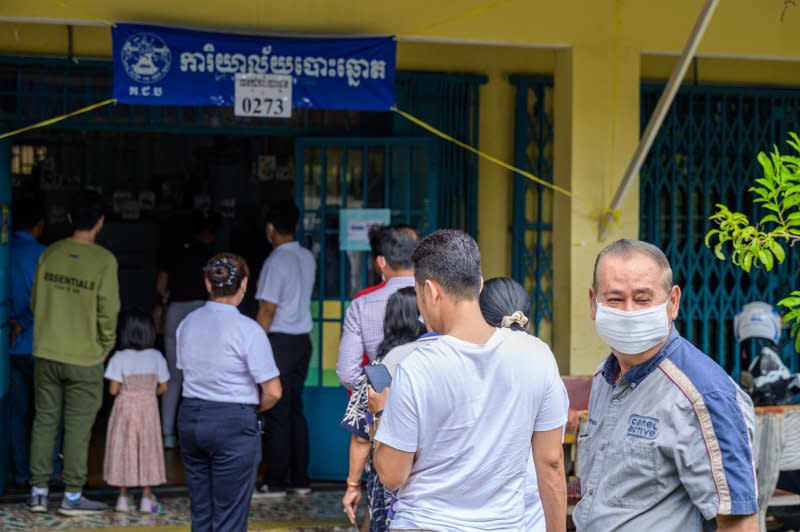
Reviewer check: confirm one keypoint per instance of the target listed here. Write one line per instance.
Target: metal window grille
(532, 260)
(705, 154)
(450, 103)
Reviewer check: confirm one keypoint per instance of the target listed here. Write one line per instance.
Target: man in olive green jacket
(75, 303)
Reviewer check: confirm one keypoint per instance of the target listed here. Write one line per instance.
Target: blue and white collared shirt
(667, 445)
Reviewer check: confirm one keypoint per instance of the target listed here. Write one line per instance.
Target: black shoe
(265, 492)
(82, 506)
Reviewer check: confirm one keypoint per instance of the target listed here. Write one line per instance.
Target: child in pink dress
(134, 453)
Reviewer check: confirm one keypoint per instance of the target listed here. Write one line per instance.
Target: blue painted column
(5, 239)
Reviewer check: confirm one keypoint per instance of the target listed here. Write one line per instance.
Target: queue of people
(467, 436)
(65, 308)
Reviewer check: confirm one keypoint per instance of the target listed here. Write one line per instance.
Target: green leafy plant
(764, 244)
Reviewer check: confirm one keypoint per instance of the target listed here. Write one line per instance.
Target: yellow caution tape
(424, 125)
(55, 120)
(615, 214)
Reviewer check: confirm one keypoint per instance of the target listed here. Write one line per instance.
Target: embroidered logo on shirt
(643, 427)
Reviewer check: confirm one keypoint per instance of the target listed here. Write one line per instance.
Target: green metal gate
(532, 249)
(705, 153)
(399, 174)
(449, 102)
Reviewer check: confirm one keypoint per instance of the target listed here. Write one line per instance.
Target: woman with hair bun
(229, 375)
(505, 303)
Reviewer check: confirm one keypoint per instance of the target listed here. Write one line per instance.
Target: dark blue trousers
(221, 450)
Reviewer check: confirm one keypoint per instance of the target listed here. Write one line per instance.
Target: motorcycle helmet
(758, 320)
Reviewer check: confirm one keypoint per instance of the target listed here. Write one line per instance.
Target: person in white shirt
(465, 411)
(226, 360)
(505, 303)
(284, 294)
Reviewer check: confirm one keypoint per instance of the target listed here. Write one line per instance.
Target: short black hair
(284, 216)
(501, 297)
(86, 209)
(375, 240)
(397, 244)
(137, 331)
(26, 213)
(205, 220)
(452, 259)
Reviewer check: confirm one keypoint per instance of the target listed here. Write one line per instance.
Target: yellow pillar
(596, 132)
(495, 185)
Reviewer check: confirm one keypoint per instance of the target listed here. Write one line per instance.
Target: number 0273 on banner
(266, 95)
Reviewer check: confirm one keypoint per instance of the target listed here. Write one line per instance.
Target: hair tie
(227, 264)
(518, 317)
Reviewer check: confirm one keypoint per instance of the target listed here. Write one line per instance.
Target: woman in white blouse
(229, 374)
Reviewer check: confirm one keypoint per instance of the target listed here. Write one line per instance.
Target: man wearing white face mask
(668, 439)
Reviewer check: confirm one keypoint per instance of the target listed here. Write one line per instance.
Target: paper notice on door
(355, 224)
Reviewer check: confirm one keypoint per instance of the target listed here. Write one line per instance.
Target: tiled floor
(322, 510)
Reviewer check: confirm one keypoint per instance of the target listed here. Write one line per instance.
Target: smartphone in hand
(378, 377)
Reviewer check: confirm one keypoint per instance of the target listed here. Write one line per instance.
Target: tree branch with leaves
(764, 244)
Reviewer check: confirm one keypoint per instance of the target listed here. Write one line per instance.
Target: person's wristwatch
(378, 414)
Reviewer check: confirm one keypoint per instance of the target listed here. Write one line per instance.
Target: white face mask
(632, 333)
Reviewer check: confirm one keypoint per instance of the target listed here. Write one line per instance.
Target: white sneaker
(123, 504)
(265, 492)
(150, 505)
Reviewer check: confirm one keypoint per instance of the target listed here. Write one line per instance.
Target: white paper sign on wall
(264, 95)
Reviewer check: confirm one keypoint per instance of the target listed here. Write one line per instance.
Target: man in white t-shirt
(284, 294)
(464, 411)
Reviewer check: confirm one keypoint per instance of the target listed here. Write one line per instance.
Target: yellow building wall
(599, 51)
(740, 28)
(733, 71)
(596, 130)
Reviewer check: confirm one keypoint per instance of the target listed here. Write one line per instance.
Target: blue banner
(154, 65)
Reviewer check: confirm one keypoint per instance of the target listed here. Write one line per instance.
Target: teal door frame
(386, 171)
